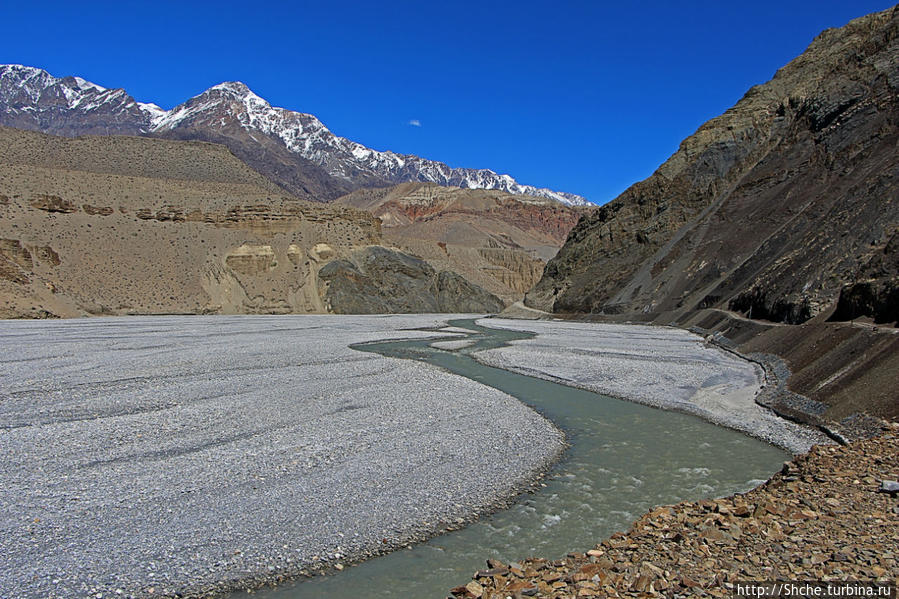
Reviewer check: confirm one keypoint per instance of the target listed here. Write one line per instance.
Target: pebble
(782, 530)
(198, 448)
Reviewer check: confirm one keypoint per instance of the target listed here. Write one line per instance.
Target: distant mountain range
(135, 225)
(293, 149)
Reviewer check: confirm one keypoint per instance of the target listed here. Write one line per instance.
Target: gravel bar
(155, 456)
(664, 367)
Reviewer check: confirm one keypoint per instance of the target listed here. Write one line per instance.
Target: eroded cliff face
(130, 225)
(385, 281)
(110, 225)
(172, 259)
(770, 209)
(495, 239)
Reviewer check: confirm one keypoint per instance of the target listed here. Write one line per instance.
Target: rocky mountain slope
(782, 207)
(379, 280)
(293, 149)
(498, 240)
(120, 225)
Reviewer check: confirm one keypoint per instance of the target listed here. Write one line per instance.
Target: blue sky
(585, 97)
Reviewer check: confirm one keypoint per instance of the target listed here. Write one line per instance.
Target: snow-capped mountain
(294, 149)
(31, 98)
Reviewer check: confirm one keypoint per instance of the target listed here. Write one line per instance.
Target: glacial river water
(624, 458)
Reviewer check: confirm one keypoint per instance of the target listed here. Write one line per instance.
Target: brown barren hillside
(498, 240)
(115, 225)
(124, 225)
(770, 228)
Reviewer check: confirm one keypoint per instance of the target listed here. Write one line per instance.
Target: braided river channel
(624, 458)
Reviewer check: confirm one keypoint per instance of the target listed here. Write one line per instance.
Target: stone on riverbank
(821, 518)
(664, 367)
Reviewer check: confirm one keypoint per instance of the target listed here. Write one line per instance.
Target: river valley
(162, 455)
(623, 459)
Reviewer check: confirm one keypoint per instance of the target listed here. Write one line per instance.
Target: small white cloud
(415, 123)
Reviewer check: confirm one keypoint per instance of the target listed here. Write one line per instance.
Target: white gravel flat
(173, 454)
(663, 367)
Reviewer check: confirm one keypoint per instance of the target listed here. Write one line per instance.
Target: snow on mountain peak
(21, 71)
(240, 92)
(16, 79)
(85, 85)
(237, 88)
(232, 103)
(23, 86)
(155, 112)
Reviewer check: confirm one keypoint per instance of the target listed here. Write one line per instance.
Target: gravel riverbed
(663, 367)
(165, 455)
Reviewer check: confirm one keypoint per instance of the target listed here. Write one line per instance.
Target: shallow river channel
(624, 458)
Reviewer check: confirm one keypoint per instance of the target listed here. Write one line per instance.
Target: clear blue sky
(586, 97)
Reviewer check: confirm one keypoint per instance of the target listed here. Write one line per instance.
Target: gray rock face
(875, 292)
(377, 280)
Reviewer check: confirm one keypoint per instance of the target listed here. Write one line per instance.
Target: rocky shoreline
(331, 564)
(777, 396)
(824, 517)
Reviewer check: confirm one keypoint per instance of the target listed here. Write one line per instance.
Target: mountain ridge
(231, 113)
(769, 210)
(497, 240)
(115, 225)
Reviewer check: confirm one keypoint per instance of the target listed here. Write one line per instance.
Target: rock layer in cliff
(497, 240)
(118, 225)
(128, 225)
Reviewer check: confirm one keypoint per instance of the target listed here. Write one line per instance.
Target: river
(623, 459)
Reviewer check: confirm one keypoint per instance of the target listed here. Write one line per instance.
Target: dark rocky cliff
(771, 209)
(378, 280)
